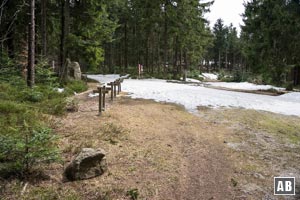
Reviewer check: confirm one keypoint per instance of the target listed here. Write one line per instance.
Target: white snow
(104, 78)
(193, 96)
(91, 95)
(293, 97)
(209, 76)
(243, 86)
(60, 90)
(192, 80)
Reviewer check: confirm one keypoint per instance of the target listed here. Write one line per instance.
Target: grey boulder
(89, 163)
(74, 70)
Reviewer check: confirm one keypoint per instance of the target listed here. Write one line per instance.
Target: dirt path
(159, 149)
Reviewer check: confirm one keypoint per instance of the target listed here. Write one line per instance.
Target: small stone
(259, 176)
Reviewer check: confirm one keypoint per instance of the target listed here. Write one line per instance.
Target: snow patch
(293, 97)
(192, 80)
(244, 86)
(191, 97)
(104, 79)
(60, 90)
(91, 95)
(209, 76)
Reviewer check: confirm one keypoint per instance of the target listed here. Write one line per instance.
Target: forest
(167, 37)
(173, 41)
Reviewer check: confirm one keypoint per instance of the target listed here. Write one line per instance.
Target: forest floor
(161, 151)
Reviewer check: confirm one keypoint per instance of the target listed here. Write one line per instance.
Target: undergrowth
(26, 139)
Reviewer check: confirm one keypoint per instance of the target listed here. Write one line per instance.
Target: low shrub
(194, 74)
(25, 140)
(56, 106)
(133, 194)
(227, 79)
(76, 86)
(32, 95)
(45, 75)
(289, 86)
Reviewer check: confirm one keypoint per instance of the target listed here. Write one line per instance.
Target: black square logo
(284, 186)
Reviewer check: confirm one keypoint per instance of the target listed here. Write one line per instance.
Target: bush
(240, 75)
(256, 79)
(24, 140)
(76, 86)
(227, 79)
(56, 106)
(200, 78)
(72, 105)
(24, 149)
(222, 75)
(194, 74)
(32, 95)
(45, 75)
(289, 86)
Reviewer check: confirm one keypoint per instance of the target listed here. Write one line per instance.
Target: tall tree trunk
(10, 45)
(158, 62)
(44, 27)
(219, 64)
(175, 66)
(180, 60)
(63, 72)
(135, 46)
(31, 46)
(165, 38)
(125, 47)
(110, 62)
(147, 53)
(119, 54)
(62, 39)
(226, 59)
(233, 62)
(185, 65)
(152, 54)
(296, 75)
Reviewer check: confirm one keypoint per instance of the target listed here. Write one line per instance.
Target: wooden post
(103, 91)
(121, 81)
(100, 100)
(118, 84)
(115, 89)
(112, 91)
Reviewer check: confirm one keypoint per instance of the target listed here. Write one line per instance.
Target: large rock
(74, 70)
(88, 164)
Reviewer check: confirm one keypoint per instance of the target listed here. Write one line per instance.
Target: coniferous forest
(167, 37)
(164, 48)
